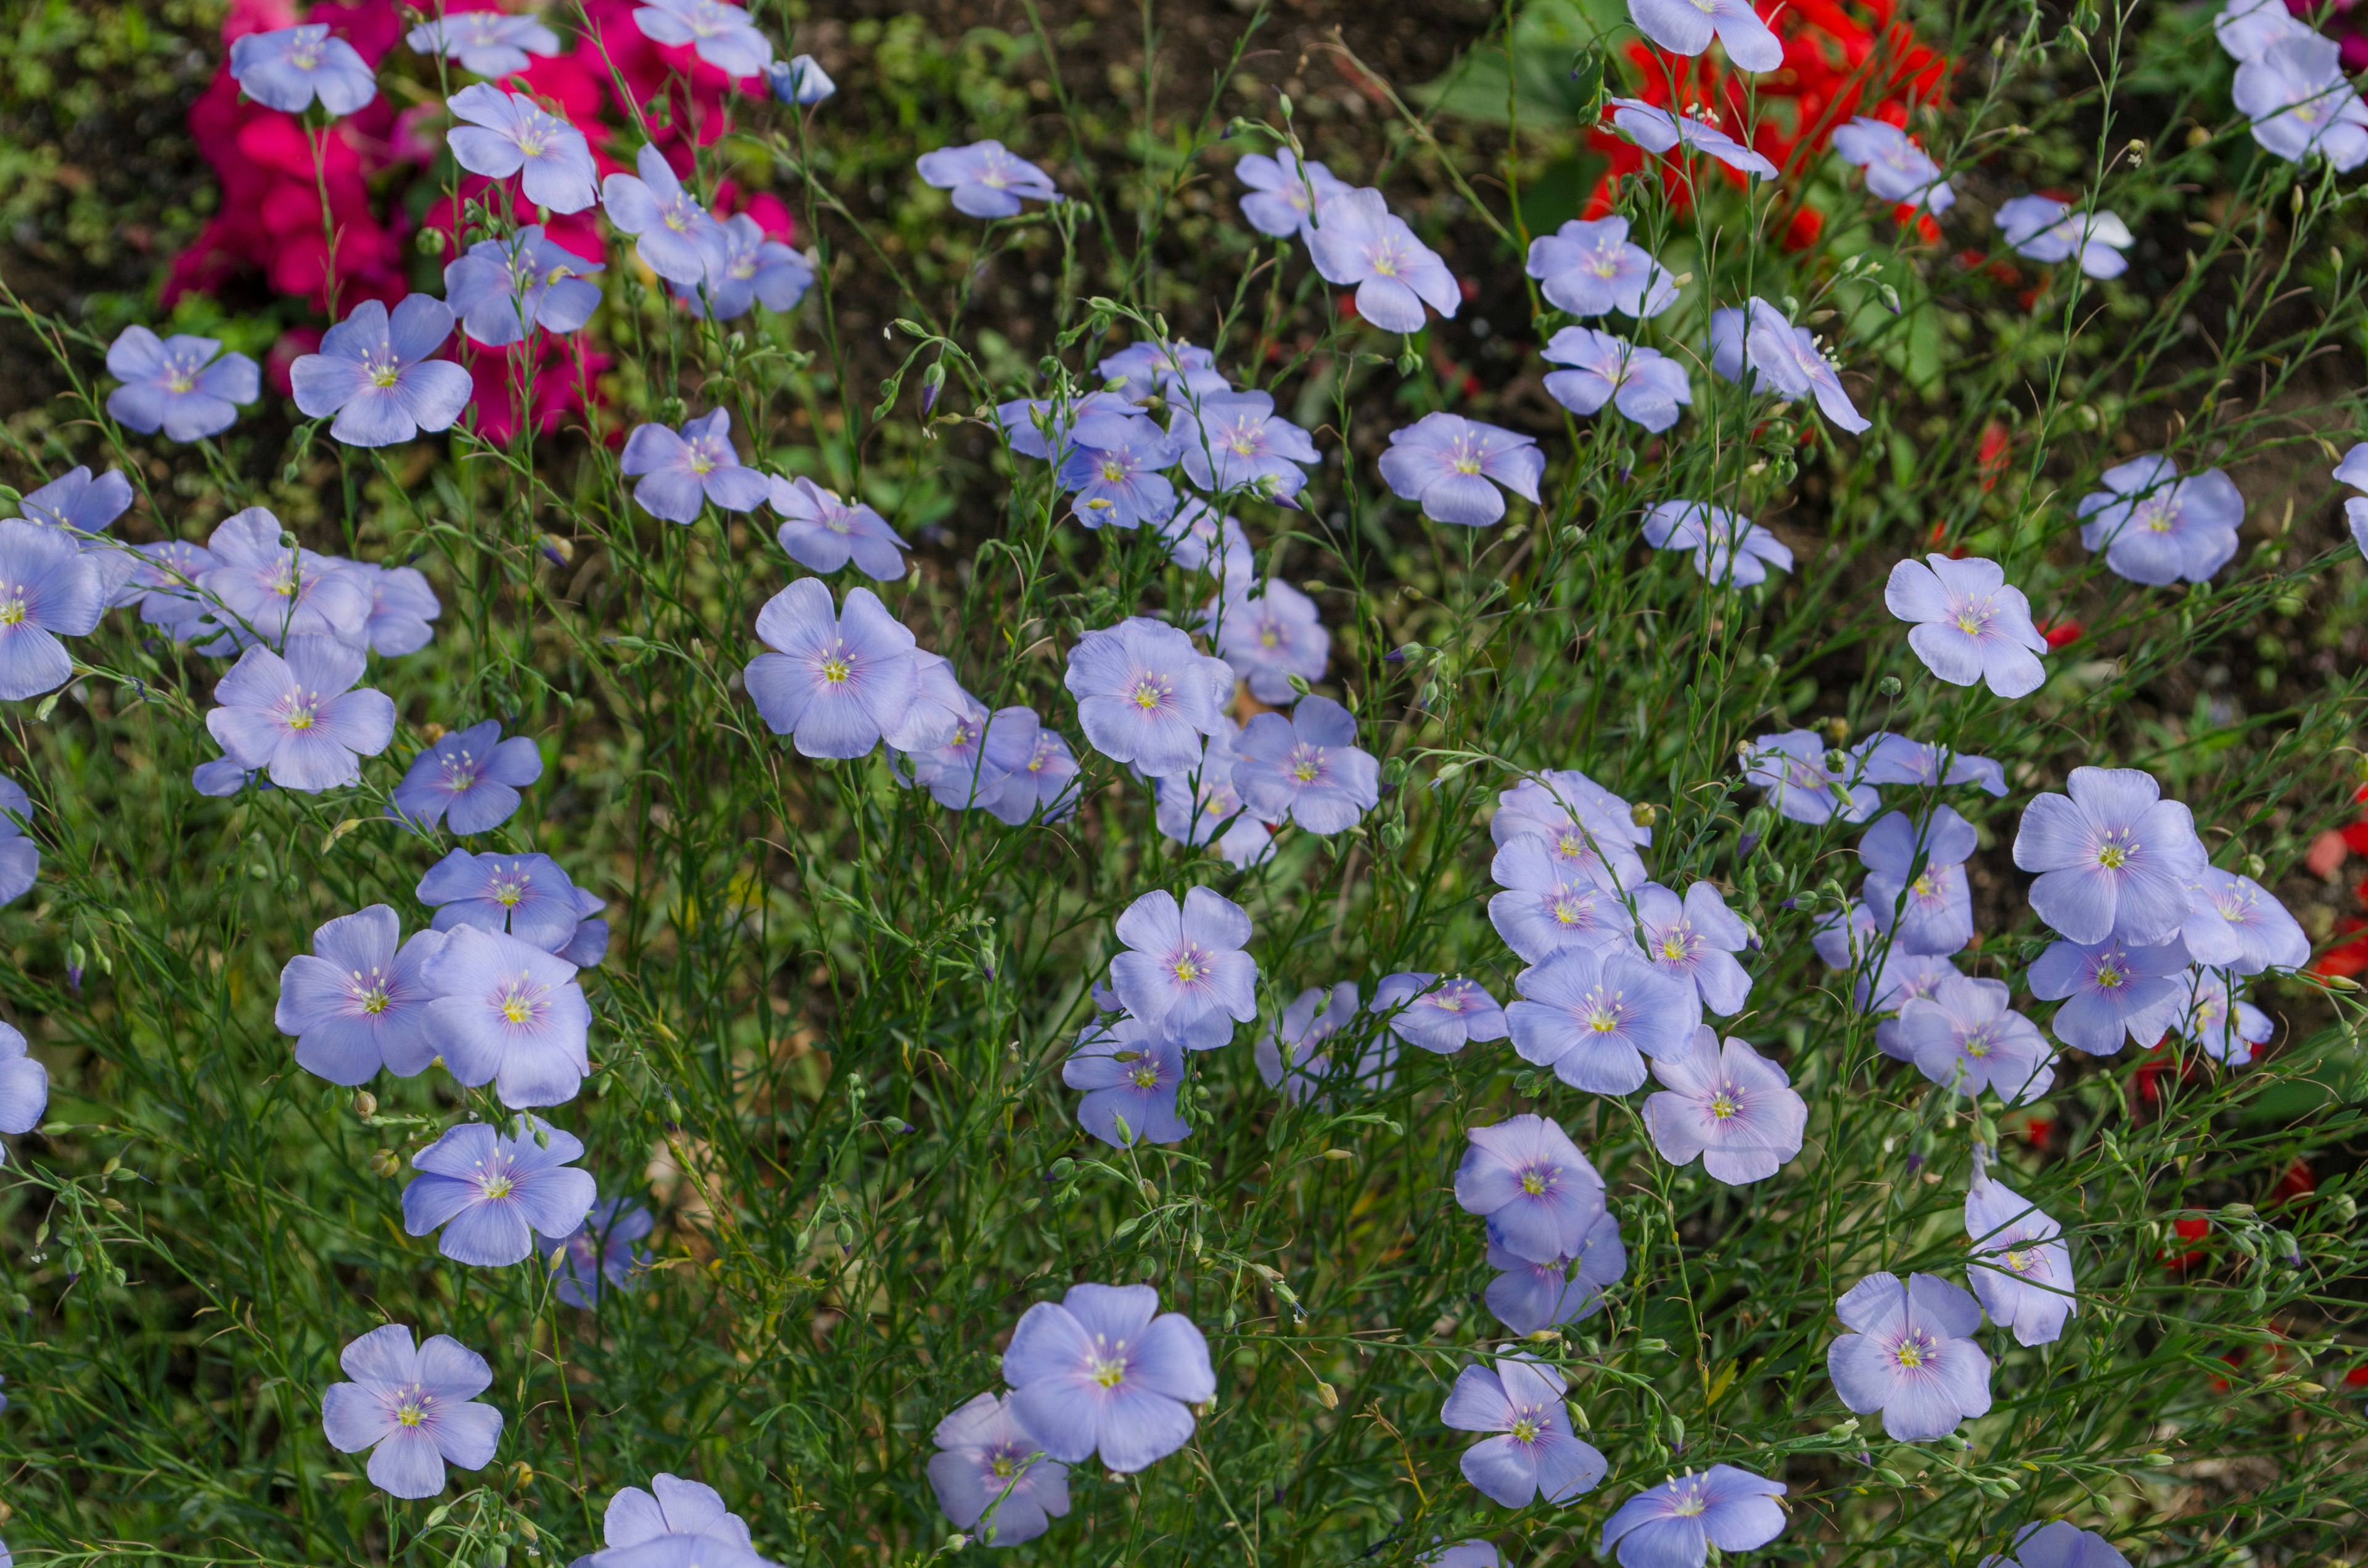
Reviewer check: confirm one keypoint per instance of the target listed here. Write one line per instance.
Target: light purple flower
(1539, 1194)
(991, 1477)
(1284, 191)
(987, 178)
(1099, 1372)
(1045, 428)
(492, 1193)
(2353, 471)
(1789, 357)
(1527, 1297)
(1130, 1071)
(47, 589)
(503, 287)
(835, 682)
(977, 760)
(1307, 768)
(1592, 831)
(1439, 1015)
(1266, 638)
(2156, 527)
(1887, 759)
(1184, 968)
(1792, 768)
(1119, 483)
(824, 533)
(20, 857)
(1729, 1104)
(672, 233)
(221, 778)
(800, 80)
(1445, 461)
(1200, 804)
(1312, 1017)
(1179, 372)
(1236, 441)
(1965, 1038)
(415, 1409)
(302, 717)
(2111, 989)
(2234, 922)
(2301, 102)
(281, 592)
(1969, 623)
(1902, 978)
(1677, 1523)
(1643, 384)
(357, 1002)
(509, 1013)
(1356, 239)
(683, 470)
(1932, 906)
(1686, 27)
(1594, 1014)
(746, 267)
(672, 1507)
(527, 895)
(1591, 269)
(81, 508)
(287, 68)
(2246, 28)
(176, 385)
(373, 372)
(1658, 131)
(1726, 548)
(599, 1252)
(2061, 1544)
(2114, 858)
(1199, 540)
(722, 34)
(2041, 228)
(402, 606)
(1911, 1355)
(24, 1087)
(2223, 1024)
(1536, 1454)
(1472, 1553)
(1694, 939)
(1045, 777)
(1726, 327)
(508, 133)
(490, 43)
(2021, 1265)
(1146, 695)
(1550, 906)
(470, 778)
(1896, 169)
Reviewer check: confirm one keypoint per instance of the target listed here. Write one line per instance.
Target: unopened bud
(1327, 1395)
(365, 1105)
(1838, 729)
(385, 1164)
(1642, 813)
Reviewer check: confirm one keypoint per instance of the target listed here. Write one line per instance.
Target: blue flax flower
(681, 470)
(1440, 1015)
(1446, 463)
(1184, 969)
(2111, 989)
(672, 233)
(302, 718)
(1594, 1014)
(1307, 768)
(1896, 169)
(835, 682)
(1103, 1371)
(1119, 483)
(2021, 1266)
(413, 1408)
(2156, 527)
(2061, 1544)
(1726, 549)
(358, 1000)
(1910, 1355)
(1179, 372)
(373, 372)
(288, 68)
(1729, 1104)
(1146, 695)
(1686, 27)
(973, 763)
(1930, 902)
(824, 533)
(1674, 1525)
(503, 289)
(24, 1090)
(1284, 192)
(2113, 858)
(2301, 102)
(1236, 441)
(1046, 779)
(1549, 907)
(49, 588)
(20, 857)
(508, 133)
(1965, 1038)
(1527, 1297)
(1356, 239)
(2041, 228)
(1792, 363)
(1046, 430)
(1887, 759)
(800, 81)
(1130, 1072)
(747, 267)
(1539, 1194)
(1657, 129)
(1694, 939)
(182, 385)
(1268, 636)
(987, 179)
(2234, 922)
(1199, 541)
(401, 606)
(82, 507)
(469, 778)
(1969, 623)
(1792, 766)
(722, 35)
(1643, 384)
(1591, 269)
(277, 592)
(1534, 1453)
(1200, 804)
(1586, 827)
(1472, 1553)
(490, 43)
(991, 1476)
(508, 1013)
(1312, 1017)
(490, 1192)
(672, 1509)
(599, 1252)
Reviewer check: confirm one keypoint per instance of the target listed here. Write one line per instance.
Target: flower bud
(385, 1164)
(365, 1104)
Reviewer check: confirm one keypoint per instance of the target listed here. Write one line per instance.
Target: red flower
(2062, 633)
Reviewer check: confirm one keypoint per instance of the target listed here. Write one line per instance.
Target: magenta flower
(413, 1409)
(2021, 1266)
(1445, 461)
(824, 533)
(1185, 968)
(673, 235)
(1910, 1355)
(1726, 549)
(490, 43)
(722, 34)
(991, 1476)
(177, 384)
(469, 778)
(1686, 27)
(1236, 441)
(1307, 768)
(49, 588)
(358, 1000)
(280, 592)
(1677, 1523)
(987, 178)
(2041, 228)
(288, 68)
(1916, 877)
(302, 718)
(1538, 1193)
(1965, 1038)
(1695, 940)
(1527, 1297)
(506, 134)
(1792, 364)
(1591, 269)
(1802, 785)
(1658, 131)
(2156, 527)
(698, 465)
(1729, 1104)
(2111, 989)
(1895, 759)
(510, 1015)
(1896, 169)
(2113, 858)
(1130, 1071)
(1146, 695)
(1099, 1372)
(1643, 384)
(1535, 1453)
(1439, 1015)
(1357, 240)
(1268, 637)
(835, 683)
(2062, 1544)
(1201, 804)
(491, 1193)
(1969, 624)
(373, 372)
(1548, 907)
(1284, 191)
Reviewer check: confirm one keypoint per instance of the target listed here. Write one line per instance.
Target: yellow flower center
(2108, 978)
(412, 1412)
(1722, 1105)
(835, 669)
(1911, 1355)
(1150, 692)
(500, 1187)
(1525, 1430)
